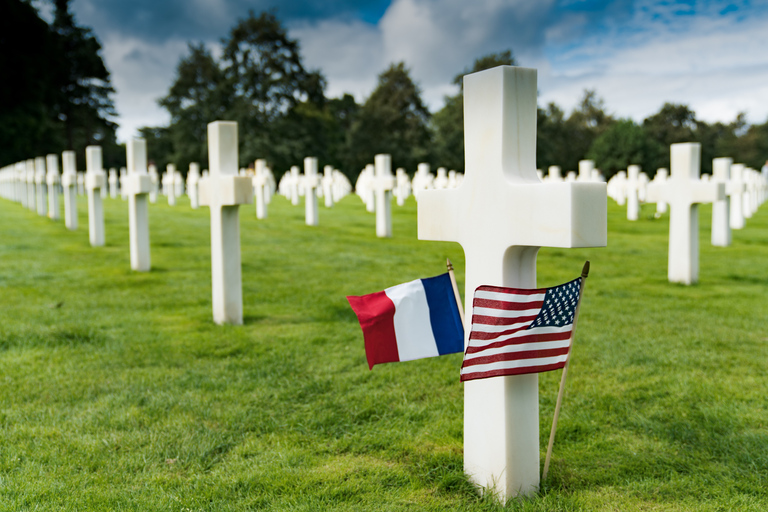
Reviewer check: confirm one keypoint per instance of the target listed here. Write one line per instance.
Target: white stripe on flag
(508, 297)
(413, 328)
(503, 313)
(508, 365)
(523, 347)
(522, 334)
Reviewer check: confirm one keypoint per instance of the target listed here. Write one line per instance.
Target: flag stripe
(444, 314)
(524, 363)
(495, 348)
(523, 342)
(413, 329)
(506, 305)
(498, 293)
(516, 333)
(516, 356)
(376, 314)
(512, 371)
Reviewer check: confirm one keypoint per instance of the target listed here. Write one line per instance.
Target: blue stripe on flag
(444, 314)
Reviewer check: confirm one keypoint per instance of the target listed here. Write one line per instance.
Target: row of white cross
(501, 214)
(734, 190)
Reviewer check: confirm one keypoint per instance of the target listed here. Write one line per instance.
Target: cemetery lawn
(117, 392)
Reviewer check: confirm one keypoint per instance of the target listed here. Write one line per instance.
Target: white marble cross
(721, 209)
(224, 191)
(554, 174)
(53, 180)
(327, 184)
(683, 191)
(585, 169)
(501, 215)
(738, 187)
(632, 188)
(402, 186)
(381, 185)
(155, 183)
(660, 178)
(69, 183)
(193, 178)
(137, 184)
(42, 186)
(31, 192)
(441, 180)
(294, 185)
(95, 181)
(169, 181)
(112, 182)
(260, 188)
(311, 182)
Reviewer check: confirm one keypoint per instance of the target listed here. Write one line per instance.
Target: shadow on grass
(65, 336)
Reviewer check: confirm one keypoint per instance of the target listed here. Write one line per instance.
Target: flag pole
(584, 275)
(455, 291)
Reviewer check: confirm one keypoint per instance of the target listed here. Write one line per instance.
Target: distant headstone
(585, 170)
(327, 186)
(684, 191)
(633, 191)
(193, 178)
(721, 209)
(112, 182)
(53, 180)
(69, 183)
(382, 185)
(441, 180)
(122, 183)
(261, 188)
(422, 180)
(294, 185)
(311, 182)
(31, 189)
(659, 180)
(224, 191)
(155, 178)
(41, 186)
(95, 181)
(554, 174)
(137, 184)
(169, 184)
(738, 187)
(402, 186)
(501, 216)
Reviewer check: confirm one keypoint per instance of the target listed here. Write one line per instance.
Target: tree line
(260, 81)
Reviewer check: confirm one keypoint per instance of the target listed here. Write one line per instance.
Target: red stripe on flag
(509, 291)
(477, 335)
(376, 314)
(498, 320)
(533, 338)
(507, 306)
(515, 356)
(512, 371)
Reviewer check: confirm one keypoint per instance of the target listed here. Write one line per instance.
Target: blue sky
(637, 54)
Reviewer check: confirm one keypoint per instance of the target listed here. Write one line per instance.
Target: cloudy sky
(711, 55)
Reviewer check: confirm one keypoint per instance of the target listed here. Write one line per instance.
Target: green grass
(117, 392)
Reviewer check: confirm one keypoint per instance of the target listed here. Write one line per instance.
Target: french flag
(410, 321)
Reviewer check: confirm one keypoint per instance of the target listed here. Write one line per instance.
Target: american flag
(517, 331)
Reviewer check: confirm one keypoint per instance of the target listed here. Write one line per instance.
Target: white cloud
(141, 73)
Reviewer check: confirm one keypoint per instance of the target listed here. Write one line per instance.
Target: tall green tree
(56, 93)
(393, 120)
(624, 143)
(272, 91)
(448, 122)
(84, 93)
(198, 96)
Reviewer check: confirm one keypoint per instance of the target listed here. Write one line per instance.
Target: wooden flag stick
(455, 291)
(584, 275)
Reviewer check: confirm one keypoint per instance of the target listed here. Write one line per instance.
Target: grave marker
(223, 191)
(137, 185)
(53, 180)
(684, 191)
(382, 184)
(260, 188)
(501, 215)
(69, 182)
(311, 182)
(721, 209)
(738, 186)
(193, 178)
(41, 186)
(632, 188)
(95, 182)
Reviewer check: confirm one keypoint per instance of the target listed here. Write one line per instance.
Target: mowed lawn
(117, 391)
